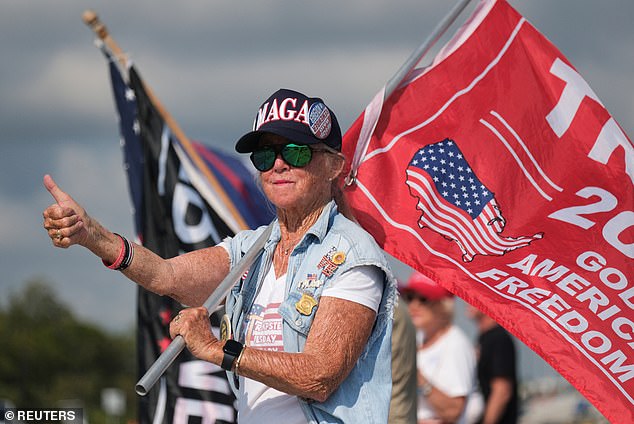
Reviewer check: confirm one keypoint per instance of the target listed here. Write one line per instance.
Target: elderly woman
(447, 385)
(310, 322)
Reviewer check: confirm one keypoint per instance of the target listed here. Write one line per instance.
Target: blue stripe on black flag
(131, 143)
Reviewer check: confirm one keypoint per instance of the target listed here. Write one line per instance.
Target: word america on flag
(176, 210)
(498, 172)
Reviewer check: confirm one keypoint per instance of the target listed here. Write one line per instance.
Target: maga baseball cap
(424, 286)
(290, 114)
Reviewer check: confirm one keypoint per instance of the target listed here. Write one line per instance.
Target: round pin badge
(319, 120)
(338, 258)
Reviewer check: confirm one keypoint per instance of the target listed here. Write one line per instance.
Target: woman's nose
(280, 164)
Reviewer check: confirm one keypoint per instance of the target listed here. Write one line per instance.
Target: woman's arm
(446, 407)
(337, 337)
(188, 278)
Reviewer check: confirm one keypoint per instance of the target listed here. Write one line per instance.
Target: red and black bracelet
(126, 254)
(129, 255)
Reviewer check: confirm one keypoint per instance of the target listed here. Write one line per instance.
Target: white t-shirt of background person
(264, 331)
(449, 365)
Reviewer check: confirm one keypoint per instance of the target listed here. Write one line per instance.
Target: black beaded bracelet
(128, 255)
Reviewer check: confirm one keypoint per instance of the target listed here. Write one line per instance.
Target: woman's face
(297, 189)
(421, 313)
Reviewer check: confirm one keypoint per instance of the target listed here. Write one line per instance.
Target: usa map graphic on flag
(456, 204)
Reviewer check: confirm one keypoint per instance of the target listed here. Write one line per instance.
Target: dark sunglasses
(409, 296)
(297, 155)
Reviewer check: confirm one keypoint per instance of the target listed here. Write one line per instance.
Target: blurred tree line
(49, 358)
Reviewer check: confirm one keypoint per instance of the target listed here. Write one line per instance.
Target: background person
(310, 322)
(446, 359)
(497, 370)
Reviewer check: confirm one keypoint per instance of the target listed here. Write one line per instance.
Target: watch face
(232, 347)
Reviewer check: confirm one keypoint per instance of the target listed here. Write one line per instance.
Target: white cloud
(69, 82)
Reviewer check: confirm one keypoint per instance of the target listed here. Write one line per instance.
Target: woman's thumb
(55, 191)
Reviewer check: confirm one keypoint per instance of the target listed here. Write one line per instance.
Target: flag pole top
(91, 19)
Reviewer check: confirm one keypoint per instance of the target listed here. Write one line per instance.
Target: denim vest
(364, 396)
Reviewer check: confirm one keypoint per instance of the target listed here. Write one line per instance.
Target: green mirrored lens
(263, 159)
(296, 155)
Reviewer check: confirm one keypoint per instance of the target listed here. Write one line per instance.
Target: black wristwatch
(232, 350)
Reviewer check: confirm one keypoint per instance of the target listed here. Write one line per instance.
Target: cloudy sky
(211, 63)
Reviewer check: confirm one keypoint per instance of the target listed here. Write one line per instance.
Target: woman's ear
(338, 164)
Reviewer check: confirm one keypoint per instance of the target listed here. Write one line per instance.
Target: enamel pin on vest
(331, 261)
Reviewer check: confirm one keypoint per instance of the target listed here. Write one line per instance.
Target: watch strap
(227, 361)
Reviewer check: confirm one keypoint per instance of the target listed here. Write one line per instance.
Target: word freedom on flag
(497, 172)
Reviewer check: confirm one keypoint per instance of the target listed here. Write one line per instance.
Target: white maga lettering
(285, 113)
(274, 113)
(511, 284)
(262, 112)
(572, 283)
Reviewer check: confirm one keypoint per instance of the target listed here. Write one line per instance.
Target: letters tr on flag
(498, 172)
(173, 214)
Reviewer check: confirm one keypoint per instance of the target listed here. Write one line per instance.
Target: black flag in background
(173, 216)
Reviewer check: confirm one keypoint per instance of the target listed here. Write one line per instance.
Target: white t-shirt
(449, 365)
(258, 403)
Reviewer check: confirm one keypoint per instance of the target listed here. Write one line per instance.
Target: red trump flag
(498, 172)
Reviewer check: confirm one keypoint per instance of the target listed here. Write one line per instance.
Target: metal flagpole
(373, 110)
(424, 48)
(157, 369)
